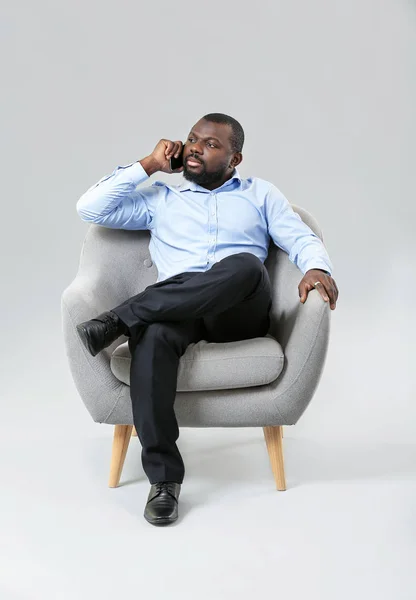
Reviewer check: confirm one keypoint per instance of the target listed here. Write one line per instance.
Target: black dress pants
(229, 302)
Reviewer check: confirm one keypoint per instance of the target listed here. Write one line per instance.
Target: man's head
(216, 141)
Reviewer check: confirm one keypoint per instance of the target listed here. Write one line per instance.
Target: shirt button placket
(212, 227)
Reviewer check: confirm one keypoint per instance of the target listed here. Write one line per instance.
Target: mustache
(195, 158)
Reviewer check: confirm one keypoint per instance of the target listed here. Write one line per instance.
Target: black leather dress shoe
(100, 332)
(162, 503)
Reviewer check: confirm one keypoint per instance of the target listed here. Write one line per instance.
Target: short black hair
(237, 132)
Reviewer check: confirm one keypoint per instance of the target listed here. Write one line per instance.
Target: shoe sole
(161, 521)
(82, 332)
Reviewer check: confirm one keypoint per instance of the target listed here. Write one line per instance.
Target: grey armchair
(268, 381)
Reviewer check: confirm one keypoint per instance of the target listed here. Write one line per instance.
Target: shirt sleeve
(115, 202)
(287, 230)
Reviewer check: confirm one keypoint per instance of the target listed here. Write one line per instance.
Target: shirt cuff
(318, 265)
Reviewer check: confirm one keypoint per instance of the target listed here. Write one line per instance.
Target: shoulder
(261, 187)
(150, 194)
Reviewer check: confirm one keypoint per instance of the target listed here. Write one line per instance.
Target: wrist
(318, 269)
(150, 165)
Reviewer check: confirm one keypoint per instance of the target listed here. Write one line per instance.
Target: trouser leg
(233, 296)
(156, 352)
(243, 321)
(195, 295)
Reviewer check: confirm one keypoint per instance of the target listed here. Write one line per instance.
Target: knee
(247, 264)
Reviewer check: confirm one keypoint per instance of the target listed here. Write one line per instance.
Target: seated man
(209, 240)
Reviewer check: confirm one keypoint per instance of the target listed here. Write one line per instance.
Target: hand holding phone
(163, 157)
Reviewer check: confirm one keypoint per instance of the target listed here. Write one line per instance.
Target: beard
(202, 177)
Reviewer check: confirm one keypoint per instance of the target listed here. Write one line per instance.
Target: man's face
(208, 143)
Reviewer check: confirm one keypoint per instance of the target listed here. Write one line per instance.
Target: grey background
(325, 91)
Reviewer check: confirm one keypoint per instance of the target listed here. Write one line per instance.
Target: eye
(211, 144)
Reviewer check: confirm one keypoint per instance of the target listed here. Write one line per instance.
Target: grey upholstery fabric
(209, 366)
(115, 264)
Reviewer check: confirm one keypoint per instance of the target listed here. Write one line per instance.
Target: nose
(195, 148)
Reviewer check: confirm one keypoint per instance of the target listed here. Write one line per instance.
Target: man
(209, 240)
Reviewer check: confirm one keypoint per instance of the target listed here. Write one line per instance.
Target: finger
(178, 148)
(304, 289)
(327, 293)
(174, 149)
(169, 152)
(169, 149)
(332, 298)
(331, 292)
(334, 285)
(321, 289)
(333, 295)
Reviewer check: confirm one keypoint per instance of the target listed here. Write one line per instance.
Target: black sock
(122, 326)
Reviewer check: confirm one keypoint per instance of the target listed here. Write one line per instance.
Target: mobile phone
(176, 163)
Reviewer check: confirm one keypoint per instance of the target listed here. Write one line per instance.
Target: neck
(219, 182)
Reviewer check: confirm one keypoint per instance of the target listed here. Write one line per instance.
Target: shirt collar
(191, 185)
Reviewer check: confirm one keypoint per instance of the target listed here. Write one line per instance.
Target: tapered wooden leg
(134, 432)
(121, 439)
(274, 442)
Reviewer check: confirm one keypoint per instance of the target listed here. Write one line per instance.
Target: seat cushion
(217, 366)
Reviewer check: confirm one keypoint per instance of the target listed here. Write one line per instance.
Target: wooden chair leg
(274, 442)
(121, 439)
(134, 432)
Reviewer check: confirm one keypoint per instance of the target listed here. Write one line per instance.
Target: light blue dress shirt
(192, 228)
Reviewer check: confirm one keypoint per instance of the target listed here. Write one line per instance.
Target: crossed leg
(228, 304)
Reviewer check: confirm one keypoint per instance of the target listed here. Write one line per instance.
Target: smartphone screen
(176, 163)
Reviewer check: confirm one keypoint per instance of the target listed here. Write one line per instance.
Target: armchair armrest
(303, 332)
(112, 268)
(96, 384)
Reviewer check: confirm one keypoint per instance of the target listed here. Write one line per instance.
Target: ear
(236, 159)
